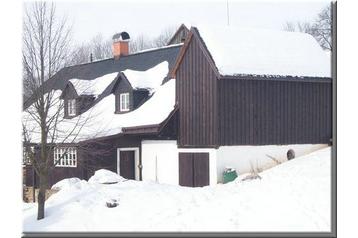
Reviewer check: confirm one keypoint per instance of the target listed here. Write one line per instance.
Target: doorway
(127, 163)
(193, 169)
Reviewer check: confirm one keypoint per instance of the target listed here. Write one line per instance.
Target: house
(182, 114)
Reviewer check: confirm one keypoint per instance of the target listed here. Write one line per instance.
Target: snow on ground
(293, 196)
(69, 183)
(105, 176)
(264, 52)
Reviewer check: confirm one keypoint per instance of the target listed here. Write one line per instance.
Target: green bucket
(229, 175)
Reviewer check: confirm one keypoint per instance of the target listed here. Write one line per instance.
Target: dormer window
(124, 102)
(71, 107)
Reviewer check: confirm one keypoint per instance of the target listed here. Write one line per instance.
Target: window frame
(69, 159)
(124, 105)
(28, 151)
(71, 107)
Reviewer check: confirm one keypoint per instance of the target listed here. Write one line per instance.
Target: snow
(264, 52)
(244, 158)
(101, 121)
(291, 197)
(105, 176)
(68, 183)
(92, 87)
(149, 79)
(157, 48)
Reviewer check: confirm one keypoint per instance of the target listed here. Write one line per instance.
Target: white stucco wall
(160, 161)
(242, 157)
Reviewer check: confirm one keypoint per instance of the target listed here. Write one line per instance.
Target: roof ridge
(135, 53)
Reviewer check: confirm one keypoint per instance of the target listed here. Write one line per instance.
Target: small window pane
(65, 157)
(124, 102)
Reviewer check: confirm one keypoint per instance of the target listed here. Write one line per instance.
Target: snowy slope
(100, 120)
(264, 52)
(294, 196)
(149, 79)
(92, 87)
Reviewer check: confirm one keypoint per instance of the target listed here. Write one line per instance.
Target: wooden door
(186, 176)
(126, 164)
(201, 169)
(194, 169)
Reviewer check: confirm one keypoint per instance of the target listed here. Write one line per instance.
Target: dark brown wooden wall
(56, 174)
(196, 93)
(259, 112)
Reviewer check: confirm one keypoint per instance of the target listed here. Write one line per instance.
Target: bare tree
(81, 54)
(143, 42)
(320, 29)
(164, 37)
(139, 43)
(96, 49)
(289, 26)
(46, 42)
(99, 48)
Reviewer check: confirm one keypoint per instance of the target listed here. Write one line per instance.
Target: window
(124, 102)
(28, 154)
(71, 107)
(65, 157)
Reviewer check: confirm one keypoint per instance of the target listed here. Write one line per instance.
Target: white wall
(160, 161)
(241, 157)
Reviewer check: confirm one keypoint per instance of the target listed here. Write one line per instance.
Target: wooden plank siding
(196, 92)
(194, 169)
(259, 112)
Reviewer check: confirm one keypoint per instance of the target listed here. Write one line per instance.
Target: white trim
(124, 102)
(136, 160)
(71, 156)
(71, 107)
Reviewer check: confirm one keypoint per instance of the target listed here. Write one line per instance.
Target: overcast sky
(151, 17)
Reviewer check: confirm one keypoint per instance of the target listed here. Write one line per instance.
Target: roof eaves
(276, 78)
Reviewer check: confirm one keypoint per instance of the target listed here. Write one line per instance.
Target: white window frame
(124, 102)
(27, 151)
(136, 160)
(66, 155)
(71, 107)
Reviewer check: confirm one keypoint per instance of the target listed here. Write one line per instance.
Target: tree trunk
(41, 197)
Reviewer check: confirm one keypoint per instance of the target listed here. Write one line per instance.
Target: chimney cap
(123, 36)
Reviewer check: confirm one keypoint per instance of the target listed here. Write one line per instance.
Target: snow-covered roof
(101, 121)
(149, 79)
(92, 87)
(157, 48)
(246, 51)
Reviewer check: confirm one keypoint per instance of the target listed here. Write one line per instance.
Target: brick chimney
(120, 44)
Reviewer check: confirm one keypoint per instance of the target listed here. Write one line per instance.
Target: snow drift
(291, 197)
(105, 176)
